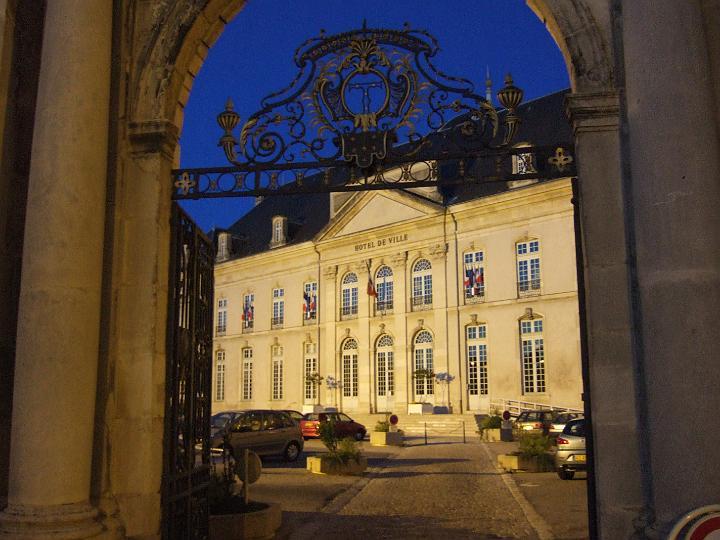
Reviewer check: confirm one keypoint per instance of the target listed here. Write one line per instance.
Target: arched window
(423, 354)
(247, 370)
(528, 267)
(422, 284)
(384, 365)
(384, 288)
(350, 368)
(220, 375)
(349, 295)
(533, 355)
(477, 359)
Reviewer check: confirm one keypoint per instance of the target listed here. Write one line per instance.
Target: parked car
(534, 421)
(570, 456)
(220, 420)
(561, 419)
(265, 432)
(295, 415)
(344, 425)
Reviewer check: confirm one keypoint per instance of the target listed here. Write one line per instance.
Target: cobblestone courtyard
(446, 489)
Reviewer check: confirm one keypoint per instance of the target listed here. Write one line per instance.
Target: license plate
(580, 458)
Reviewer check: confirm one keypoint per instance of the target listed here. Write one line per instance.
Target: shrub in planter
(534, 444)
(382, 426)
(343, 457)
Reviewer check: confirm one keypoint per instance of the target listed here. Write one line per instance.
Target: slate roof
(543, 122)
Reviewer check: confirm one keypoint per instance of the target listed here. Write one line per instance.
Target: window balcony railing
(312, 319)
(529, 288)
(277, 322)
(424, 301)
(474, 296)
(220, 330)
(247, 327)
(349, 312)
(383, 306)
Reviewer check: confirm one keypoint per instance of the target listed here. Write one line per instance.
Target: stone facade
(396, 231)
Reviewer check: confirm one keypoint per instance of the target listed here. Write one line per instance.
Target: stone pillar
(59, 313)
(611, 350)
(674, 151)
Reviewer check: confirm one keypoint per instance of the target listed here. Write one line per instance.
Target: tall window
(477, 360)
(277, 231)
(474, 278)
(248, 314)
(385, 366)
(350, 368)
(277, 372)
(310, 301)
(278, 312)
(349, 295)
(247, 367)
(311, 368)
(221, 317)
(528, 267)
(384, 288)
(422, 284)
(220, 376)
(423, 360)
(533, 355)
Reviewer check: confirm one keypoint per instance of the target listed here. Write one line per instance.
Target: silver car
(570, 456)
(265, 432)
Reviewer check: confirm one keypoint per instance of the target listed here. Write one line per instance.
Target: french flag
(469, 278)
(306, 304)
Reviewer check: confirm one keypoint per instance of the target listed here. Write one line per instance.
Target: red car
(344, 425)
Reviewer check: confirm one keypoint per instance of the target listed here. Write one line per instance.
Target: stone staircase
(436, 424)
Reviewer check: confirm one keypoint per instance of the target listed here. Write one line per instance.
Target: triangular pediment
(377, 209)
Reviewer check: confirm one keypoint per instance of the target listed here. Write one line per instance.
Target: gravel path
(443, 490)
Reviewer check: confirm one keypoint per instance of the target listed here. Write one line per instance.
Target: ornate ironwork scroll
(367, 110)
(186, 469)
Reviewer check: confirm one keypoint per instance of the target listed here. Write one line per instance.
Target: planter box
(515, 462)
(420, 408)
(491, 435)
(386, 438)
(259, 525)
(329, 465)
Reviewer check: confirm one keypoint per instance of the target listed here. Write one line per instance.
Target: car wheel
(292, 451)
(564, 474)
(359, 436)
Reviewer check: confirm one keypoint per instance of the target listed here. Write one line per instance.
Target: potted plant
(445, 379)
(421, 407)
(233, 516)
(315, 379)
(343, 456)
(385, 435)
(490, 428)
(532, 455)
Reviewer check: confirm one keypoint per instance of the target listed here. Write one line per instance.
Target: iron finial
(229, 105)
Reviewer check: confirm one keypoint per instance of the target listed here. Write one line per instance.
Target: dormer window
(279, 231)
(223, 246)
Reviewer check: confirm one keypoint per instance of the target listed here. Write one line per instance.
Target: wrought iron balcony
(247, 327)
(349, 312)
(475, 296)
(530, 287)
(220, 330)
(383, 306)
(277, 322)
(312, 319)
(424, 301)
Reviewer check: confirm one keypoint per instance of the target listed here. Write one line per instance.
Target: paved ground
(443, 490)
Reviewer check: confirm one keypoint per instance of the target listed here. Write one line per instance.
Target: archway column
(59, 313)
(612, 385)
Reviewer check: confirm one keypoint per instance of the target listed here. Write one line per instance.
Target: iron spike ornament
(369, 110)
(365, 96)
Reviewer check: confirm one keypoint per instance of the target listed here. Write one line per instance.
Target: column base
(59, 522)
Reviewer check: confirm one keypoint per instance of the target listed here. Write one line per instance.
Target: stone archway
(158, 48)
(172, 53)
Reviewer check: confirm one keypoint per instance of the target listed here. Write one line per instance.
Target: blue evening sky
(254, 57)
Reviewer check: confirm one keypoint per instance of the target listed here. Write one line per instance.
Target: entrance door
(384, 375)
(477, 372)
(423, 365)
(186, 460)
